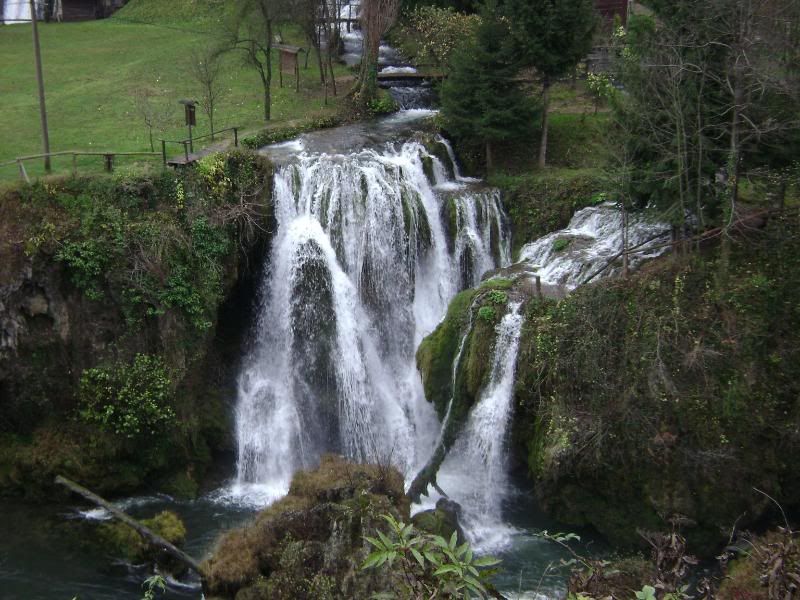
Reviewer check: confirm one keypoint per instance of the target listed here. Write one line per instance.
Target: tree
(377, 17)
(481, 99)
(552, 36)
(156, 112)
(206, 68)
(439, 32)
(250, 32)
(711, 92)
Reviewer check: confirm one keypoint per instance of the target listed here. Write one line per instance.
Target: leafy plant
(561, 244)
(130, 400)
(498, 297)
(153, 584)
(487, 314)
(429, 564)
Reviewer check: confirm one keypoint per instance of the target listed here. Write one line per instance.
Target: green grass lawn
(93, 69)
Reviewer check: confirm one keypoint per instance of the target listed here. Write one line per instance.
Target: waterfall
(593, 238)
(474, 473)
(362, 266)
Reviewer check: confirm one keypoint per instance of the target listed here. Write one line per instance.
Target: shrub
(130, 400)
(561, 244)
(487, 314)
(432, 565)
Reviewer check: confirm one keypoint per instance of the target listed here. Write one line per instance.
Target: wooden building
(82, 10)
(613, 8)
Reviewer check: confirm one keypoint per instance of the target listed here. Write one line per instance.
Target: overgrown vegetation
(664, 394)
(140, 264)
(431, 565)
(310, 544)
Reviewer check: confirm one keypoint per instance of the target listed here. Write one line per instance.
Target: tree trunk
(154, 539)
(545, 122)
(268, 88)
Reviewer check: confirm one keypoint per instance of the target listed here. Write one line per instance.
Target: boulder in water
(311, 543)
(444, 520)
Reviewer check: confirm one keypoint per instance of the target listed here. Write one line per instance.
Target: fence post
(22, 172)
(236, 137)
(164, 151)
(74, 165)
(538, 286)
(108, 159)
(186, 151)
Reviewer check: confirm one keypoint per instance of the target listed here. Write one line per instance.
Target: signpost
(190, 109)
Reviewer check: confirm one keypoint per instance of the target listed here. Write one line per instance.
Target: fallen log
(154, 539)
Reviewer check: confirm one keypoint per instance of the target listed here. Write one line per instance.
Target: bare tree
(206, 68)
(251, 32)
(156, 111)
(377, 17)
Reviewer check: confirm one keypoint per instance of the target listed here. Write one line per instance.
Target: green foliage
(551, 36)
(648, 592)
(153, 585)
(561, 244)
(487, 314)
(438, 32)
(496, 296)
(431, 564)
(383, 104)
(622, 378)
(481, 100)
(130, 400)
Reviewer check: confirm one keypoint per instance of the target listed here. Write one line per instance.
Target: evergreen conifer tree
(552, 36)
(481, 100)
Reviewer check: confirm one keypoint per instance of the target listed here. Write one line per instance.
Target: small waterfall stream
(474, 474)
(593, 238)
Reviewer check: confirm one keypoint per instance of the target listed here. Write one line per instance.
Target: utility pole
(40, 80)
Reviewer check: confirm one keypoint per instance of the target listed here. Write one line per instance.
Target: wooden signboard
(289, 63)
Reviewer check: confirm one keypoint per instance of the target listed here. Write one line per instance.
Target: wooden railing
(188, 144)
(108, 159)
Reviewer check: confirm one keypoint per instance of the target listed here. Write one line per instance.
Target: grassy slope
(92, 70)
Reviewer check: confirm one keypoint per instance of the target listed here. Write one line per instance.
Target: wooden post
(74, 165)
(164, 151)
(186, 151)
(37, 53)
(153, 538)
(539, 286)
(236, 137)
(108, 159)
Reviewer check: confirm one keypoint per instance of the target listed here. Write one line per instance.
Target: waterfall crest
(364, 262)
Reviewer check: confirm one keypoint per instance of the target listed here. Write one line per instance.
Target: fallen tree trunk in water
(154, 539)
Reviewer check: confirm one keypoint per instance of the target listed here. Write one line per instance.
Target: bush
(130, 400)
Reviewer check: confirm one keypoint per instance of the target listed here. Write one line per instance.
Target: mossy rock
(311, 543)
(125, 542)
(437, 352)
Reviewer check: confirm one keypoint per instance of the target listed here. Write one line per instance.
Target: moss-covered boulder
(123, 542)
(444, 520)
(311, 543)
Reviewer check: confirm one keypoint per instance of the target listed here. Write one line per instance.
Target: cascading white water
(474, 474)
(593, 238)
(362, 267)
